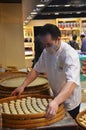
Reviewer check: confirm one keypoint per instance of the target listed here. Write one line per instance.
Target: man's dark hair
(51, 29)
(74, 37)
(82, 35)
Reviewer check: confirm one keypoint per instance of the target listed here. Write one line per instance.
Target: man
(73, 42)
(61, 64)
(83, 40)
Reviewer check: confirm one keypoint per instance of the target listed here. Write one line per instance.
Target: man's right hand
(18, 91)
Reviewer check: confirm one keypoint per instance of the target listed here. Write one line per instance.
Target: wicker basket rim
(78, 116)
(22, 96)
(7, 78)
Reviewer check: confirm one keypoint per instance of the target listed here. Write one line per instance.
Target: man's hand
(52, 109)
(18, 91)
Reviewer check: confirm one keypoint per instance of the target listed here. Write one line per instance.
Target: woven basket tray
(33, 111)
(12, 83)
(81, 119)
(8, 84)
(4, 75)
(45, 90)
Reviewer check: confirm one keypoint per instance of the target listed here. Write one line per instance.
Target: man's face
(81, 38)
(51, 45)
(48, 41)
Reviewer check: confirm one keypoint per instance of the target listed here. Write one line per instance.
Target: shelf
(29, 57)
(83, 22)
(70, 28)
(28, 53)
(64, 37)
(68, 19)
(29, 42)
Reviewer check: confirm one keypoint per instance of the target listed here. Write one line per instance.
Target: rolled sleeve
(40, 65)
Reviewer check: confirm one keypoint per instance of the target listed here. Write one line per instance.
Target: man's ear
(59, 38)
(59, 41)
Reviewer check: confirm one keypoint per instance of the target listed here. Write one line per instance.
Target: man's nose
(48, 45)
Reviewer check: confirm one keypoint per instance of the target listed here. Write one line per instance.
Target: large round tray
(8, 84)
(17, 81)
(32, 119)
(81, 119)
(4, 75)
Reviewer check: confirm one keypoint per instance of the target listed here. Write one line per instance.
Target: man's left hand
(51, 109)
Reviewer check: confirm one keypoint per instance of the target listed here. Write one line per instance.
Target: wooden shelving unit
(83, 25)
(69, 27)
(29, 42)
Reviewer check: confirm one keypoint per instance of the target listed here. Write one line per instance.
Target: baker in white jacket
(61, 64)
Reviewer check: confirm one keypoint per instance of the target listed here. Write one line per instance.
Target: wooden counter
(65, 124)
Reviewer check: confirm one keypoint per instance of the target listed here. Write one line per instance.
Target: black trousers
(74, 112)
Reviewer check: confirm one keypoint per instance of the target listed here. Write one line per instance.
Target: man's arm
(31, 76)
(66, 92)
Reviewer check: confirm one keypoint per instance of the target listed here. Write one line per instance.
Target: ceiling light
(52, 6)
(78, 12)
(32, 13)
(26, 21)
(67, 5)
(29, 17)
(40, 5)
(56, 13)
(36, 9)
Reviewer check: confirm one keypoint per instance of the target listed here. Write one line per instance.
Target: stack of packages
(84, 67)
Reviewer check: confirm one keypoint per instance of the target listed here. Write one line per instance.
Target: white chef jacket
(61, 67)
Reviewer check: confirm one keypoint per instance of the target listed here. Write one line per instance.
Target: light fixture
(52, 6)
(36, 9)
(67, 5)
(26, 21)
(33, 13)
(78, 12)
(56, 13)
(40, 5)
(29, 17)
